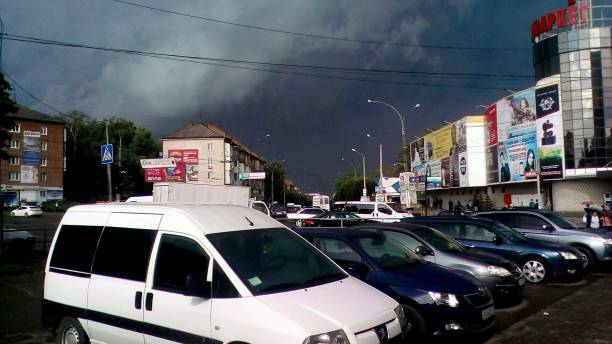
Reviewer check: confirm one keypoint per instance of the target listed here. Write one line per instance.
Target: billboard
(491, 123)
(434, 174)
(463, 170)
(189, 159)
(492, 165)
(417, 151)
(517, 158)
(438, 144)
(155, 175)
(31, 148)
(549, 127)
(177, 173)
(29, 174)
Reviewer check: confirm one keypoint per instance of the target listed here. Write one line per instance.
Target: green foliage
(7, 106)
(294, 196)
(277, 170)
(349, 187)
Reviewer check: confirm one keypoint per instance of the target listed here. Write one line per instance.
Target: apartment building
(35, 167)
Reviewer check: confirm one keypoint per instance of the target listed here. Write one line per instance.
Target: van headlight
(492, 270)
(606, 241)
(333, 337)
(568, 255)
(444, 299)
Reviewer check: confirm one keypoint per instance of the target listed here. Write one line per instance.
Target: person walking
(586, 218)
(531, 204)
(595, 220)
(606, 218)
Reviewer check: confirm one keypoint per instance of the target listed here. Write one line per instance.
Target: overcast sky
(312, 122)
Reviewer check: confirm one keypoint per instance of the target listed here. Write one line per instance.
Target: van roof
(212, 218)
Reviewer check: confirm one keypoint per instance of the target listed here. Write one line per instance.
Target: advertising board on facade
(549, 127)
(438, 144)
(31, 148)
(189, 158)
(29, 174)
(155, 175)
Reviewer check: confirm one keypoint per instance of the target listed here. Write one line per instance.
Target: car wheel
(591, 260)
(416, 325)
(535, 270)
(26, 215)
(298, 223)
(70, 331)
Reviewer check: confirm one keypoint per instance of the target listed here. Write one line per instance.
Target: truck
(319, 201)
(207, 194)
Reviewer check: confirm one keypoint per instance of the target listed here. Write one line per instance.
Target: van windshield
(274, 260)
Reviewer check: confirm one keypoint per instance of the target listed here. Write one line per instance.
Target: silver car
(503, 278)
(595, 244)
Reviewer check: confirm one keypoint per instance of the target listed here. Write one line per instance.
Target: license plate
(521, 281)
(487, 313)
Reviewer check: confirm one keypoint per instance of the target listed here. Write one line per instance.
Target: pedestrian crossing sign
(106, 154)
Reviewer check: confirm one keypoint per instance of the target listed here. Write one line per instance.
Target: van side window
(177, 258)
(366, 208)
(351, 208)
(383, 208)
(75, 247)
(124, 253)
(222, 286)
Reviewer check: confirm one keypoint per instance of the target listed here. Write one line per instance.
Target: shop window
(43, 193)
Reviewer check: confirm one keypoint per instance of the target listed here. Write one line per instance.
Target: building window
(210, 147)
(13, 160)
(210, 175)
(42, 177)
(43, 193)
(14, 176)
(15, 144)
(44, 146)
(43, 131)
(43, 162)
(16, 128)
(210, 161)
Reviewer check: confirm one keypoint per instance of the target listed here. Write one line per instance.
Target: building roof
(33, 115)
(207, 131)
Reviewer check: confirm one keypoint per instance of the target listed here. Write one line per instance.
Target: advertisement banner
(523, 114)
(419, 177)
(492, 165)
(438, 144)
(177, 173)
(445, 172)
(417, 152)
(190, 160)
(155, 163)
(434, 174)
(463, 172)
(549, 128)
(491, 123)
(29, 174)
(155, 175)
(517, 158)
(252, 175)
(55, 194)
(31, 148)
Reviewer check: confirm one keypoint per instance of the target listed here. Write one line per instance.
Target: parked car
(334, 219)
(437, 301)
(539, 261)
(378, 211)
(133, 273)
(278, 211)
(503, 278)
(305, 213)
(17, 242)
(27, 211)
(595, 244)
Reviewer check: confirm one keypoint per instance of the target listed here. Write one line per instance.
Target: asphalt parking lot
(579, 312)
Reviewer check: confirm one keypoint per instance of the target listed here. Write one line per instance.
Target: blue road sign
(106, 154)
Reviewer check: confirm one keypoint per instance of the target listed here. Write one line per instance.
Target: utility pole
(108, 171)
(272, 186)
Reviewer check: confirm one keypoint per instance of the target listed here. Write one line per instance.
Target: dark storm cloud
(313, 122)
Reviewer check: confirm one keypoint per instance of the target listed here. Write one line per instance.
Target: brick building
(35, 167)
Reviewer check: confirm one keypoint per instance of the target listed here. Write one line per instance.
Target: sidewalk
(582, 317)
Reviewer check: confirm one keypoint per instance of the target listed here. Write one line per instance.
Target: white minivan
(177, 273)
(378, 211)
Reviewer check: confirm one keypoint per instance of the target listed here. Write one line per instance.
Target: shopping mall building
(559, 131)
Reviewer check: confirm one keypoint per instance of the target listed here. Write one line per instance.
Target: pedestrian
(450, 205)
(595, 220)
(531, 204)
(586, 218)
(606, 218)
(536, 204)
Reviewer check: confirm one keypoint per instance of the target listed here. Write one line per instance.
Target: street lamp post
(365, 191)
(380, 146)
(352, 165)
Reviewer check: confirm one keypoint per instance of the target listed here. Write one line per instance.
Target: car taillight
(308, 222)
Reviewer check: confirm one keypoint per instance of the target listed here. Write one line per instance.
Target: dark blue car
(437, 301)
(538, 260)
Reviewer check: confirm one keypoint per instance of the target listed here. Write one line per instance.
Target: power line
(31, 95)
(36, 40)
(309, 35)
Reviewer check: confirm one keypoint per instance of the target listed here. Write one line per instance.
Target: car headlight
(568, 255)
(444, 299)
(399, 312)
(606, 241)
(493, 270)
(333, 337)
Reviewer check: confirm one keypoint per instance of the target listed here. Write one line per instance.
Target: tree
(7, 106)
(277, 169)
(349, 187)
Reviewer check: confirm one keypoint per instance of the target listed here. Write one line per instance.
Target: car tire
(70, 331)
(12, 214)
(26, 215)
(418, 327)
(591, 260)
(535, 270)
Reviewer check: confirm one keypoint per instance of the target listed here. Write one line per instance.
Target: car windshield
(438, 240)
(274, 260)
(510, 233)
(387, 252)
(559, 221)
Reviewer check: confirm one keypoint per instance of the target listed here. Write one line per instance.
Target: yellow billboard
(439, 143)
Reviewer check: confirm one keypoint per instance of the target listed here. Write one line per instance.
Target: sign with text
(155, 175)
(252, 175)
(549, 127)
(156, 163)
(31, 148)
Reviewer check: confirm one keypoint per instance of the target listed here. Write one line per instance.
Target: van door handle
(149, 301)
(138, 300)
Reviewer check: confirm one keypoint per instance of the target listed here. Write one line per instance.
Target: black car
(538, 260)
(335, 219)
(437, 301)
(278, 211)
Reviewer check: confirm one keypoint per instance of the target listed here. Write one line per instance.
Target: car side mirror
(498, 240)
(547, 228)
(355, 268)
(423, 251)
(195, 285)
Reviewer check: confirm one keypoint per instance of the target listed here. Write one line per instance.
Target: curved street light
(382, 184)
(365, 191)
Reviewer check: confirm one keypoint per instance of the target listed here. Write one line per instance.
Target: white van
(378, 211)
(178, 273)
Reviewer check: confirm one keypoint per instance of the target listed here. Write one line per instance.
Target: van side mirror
(498, 240)
(423, 251)
(195, 285)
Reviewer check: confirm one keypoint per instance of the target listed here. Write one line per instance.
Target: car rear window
(74, 248)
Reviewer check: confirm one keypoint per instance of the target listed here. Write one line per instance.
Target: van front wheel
(70, 331)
